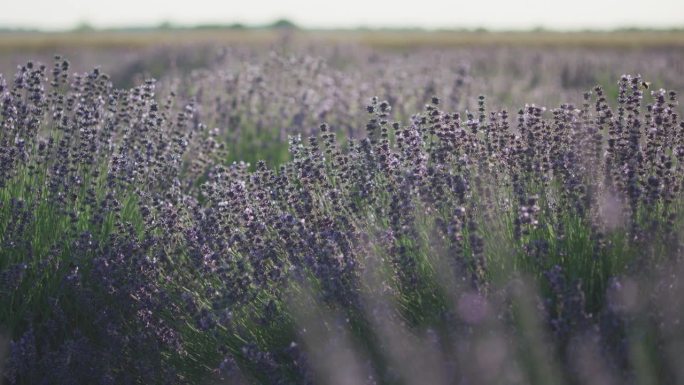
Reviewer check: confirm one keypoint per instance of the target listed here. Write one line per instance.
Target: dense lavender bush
(439, 247)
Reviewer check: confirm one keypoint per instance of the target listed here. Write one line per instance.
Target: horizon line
(285, 23)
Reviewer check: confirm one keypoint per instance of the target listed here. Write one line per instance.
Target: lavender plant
(475, 246)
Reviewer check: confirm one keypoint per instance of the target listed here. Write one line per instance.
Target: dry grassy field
(34, 41)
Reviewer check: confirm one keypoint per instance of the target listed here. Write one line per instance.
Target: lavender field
(300, 211)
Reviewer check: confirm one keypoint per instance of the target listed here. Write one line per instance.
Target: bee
(645, 85)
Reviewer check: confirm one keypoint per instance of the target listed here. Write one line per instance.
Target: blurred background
(130, 39)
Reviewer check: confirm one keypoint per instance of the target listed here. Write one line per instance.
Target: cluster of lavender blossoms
(440, 247)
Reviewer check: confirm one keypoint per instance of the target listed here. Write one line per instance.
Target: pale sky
(492, 14)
